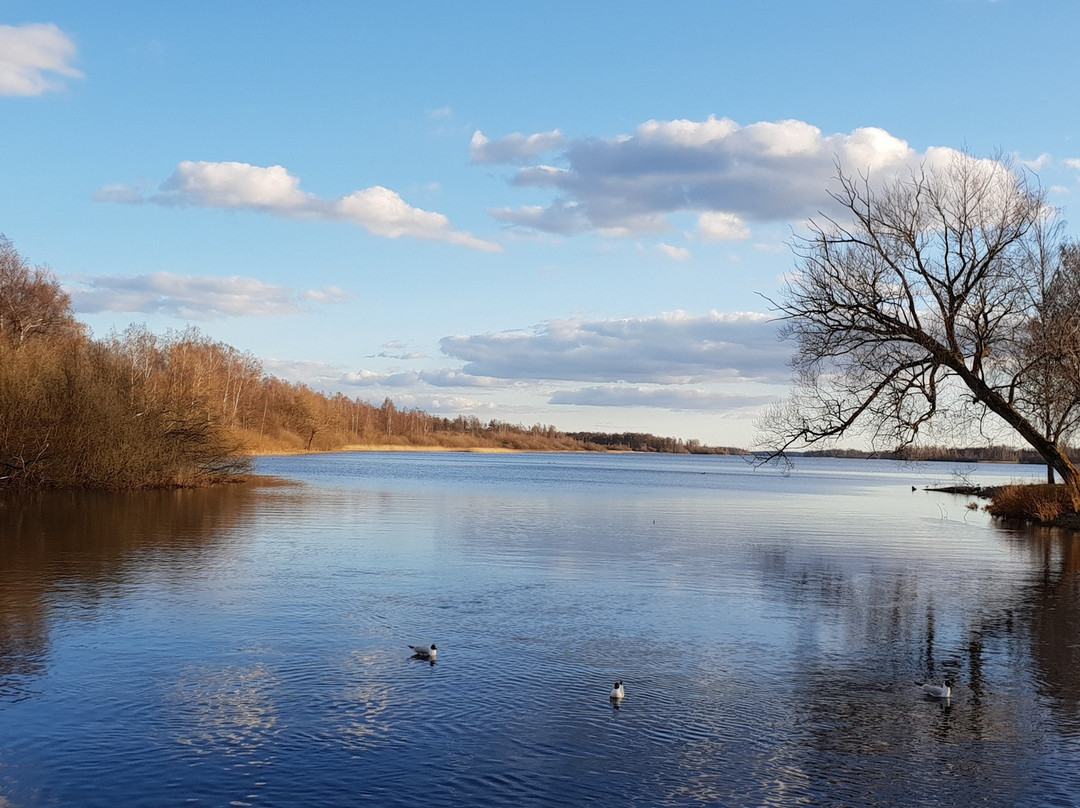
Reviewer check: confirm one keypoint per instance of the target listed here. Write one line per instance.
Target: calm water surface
(249, 645)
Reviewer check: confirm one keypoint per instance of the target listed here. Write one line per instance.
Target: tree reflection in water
(65, 548)
(1050, 613)
(1019, 644)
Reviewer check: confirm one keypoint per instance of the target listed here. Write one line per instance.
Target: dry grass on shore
(1042, 503)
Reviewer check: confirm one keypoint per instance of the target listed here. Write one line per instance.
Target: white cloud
(674, 348)
(314, 374)
(398, 349)
(1073, 163)
(327, 296)
(457, 378)
(30, 55)
(564, 218)
(124, 194)
(436, 378)
(365, 378)
(721, 226)
(451, 405)
(196, 297)
(516, 148)
(236, 185)
(1039, 163)
(384, 213)
(667, 398)
(273, 190)
(699, 366)
(674, 253)
(731, 175)
(401, 357)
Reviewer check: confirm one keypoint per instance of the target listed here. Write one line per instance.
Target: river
(248, 645)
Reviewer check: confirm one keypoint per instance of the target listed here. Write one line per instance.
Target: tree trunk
(1072, 485)
(1055, 457)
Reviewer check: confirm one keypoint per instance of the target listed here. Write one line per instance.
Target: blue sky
(559, 213)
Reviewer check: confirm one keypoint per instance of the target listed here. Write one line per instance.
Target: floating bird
(420, 652)
(617, 692)
(942, 691)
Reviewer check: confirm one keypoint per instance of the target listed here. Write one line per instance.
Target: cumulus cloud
(397, 349)
(273, 190)
(236, 185)
(1039, 163)
(673, 348)
(714, 363)
(370, 378)
(457, 378)
(196, 297)
(314, 374)
(125, 194)
(667, 398)
(674, 253)
(439, 377)
(516, 148)
(404, 357)
(31, 56)
(731, 175)
(451, 405)
(721, 226)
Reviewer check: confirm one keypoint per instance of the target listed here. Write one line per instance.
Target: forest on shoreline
(141, 410)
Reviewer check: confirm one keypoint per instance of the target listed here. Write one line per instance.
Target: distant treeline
(140, 410)
(971, 454)
(644, 442)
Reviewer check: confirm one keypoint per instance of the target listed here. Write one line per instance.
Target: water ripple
(252, 650)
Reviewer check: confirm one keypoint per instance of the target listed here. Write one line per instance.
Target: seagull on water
(617, 692)
(420, 652)
(942, 691)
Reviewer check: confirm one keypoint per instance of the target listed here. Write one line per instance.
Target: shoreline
(390, 447)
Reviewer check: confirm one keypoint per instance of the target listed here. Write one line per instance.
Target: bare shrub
(32, 303)
(1033, 503)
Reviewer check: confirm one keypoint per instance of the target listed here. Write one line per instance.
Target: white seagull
(420, 652)
(617, 692)
(942, 691)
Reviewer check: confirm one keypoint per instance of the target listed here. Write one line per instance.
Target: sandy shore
(390, 447)
(393, 448)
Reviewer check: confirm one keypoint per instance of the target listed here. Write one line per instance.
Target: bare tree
(32, 303)
(922, 301)
(1048, 344)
